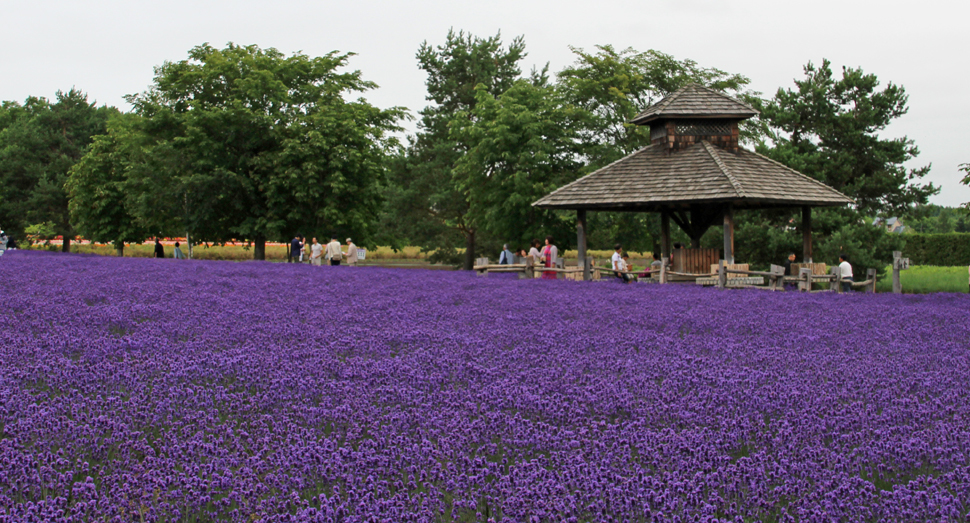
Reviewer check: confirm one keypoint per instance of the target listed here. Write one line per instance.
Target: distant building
(891, 224)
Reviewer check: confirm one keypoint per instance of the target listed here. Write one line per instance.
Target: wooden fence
(722, 275)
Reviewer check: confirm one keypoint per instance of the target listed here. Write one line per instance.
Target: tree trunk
(66, 244)
(469, 251)
(120, 249)
(259, 248)
(695, 241)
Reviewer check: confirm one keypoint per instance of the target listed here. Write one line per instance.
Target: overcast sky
(108, 48)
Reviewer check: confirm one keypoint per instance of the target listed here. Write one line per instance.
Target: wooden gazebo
(694, 173)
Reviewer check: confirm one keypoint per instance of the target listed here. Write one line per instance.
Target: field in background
(922, 279)
(227, 252)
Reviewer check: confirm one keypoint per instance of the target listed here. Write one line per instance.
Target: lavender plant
(156, 390)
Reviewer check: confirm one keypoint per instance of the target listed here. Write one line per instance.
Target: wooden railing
(775, 276)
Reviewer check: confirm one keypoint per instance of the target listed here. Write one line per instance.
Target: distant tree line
(249, 144)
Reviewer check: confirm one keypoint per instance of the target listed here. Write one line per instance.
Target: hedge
(944, 250)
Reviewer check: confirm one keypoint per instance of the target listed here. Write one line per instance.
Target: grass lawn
(922, 279)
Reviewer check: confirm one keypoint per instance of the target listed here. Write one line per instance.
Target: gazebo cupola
(692, 114)
(695, 174)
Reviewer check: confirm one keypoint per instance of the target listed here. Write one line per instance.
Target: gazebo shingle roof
(695, 101)
(652, 178)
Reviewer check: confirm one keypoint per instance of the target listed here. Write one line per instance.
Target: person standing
(177, 253)
(316, 253)
(159, 250)
(334, 254)
(506, 257)
(351, 253)
(550, 255)
(296, 248)
(846, 270)
(3, 242)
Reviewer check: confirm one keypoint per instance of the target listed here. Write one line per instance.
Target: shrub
(945, 250)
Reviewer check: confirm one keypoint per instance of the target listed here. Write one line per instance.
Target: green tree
(246, 143)
(39, 143)
(828, 128)
(424, 194)
(98, 190)
(522, 145)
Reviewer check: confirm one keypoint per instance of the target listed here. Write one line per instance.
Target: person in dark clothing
(788, 264)
(296, 248)
(159, 250)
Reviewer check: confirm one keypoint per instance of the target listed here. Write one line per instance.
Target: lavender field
(156, 390)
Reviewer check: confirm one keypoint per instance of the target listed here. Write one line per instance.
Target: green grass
(922, 279)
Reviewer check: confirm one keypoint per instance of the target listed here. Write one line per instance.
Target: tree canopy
(424, 194)
(828, 128)
(39, 142)
(98, 190)
(247, 143)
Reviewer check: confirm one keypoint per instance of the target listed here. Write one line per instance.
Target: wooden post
(581, 242)
(806, 234)
(560, 264)
(729, 234)
(871, 276)
(837, 279)
(530, 269)
(897, 284)
(805, 275)
(480, 262)
(663, 273)
(588, 269)
(777, 278)
(664, 239)
(721, 274)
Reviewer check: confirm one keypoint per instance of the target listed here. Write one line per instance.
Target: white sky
(108, 48)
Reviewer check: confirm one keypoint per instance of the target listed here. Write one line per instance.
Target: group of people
(160, 250)
(845, 269)
(620, 262)
(317, 253)
(544, 255)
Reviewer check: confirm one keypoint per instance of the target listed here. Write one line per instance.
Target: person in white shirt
(617, 258)
(846, 270)
(316, 253)
(334, 253)
(621, 264)
(351, 253)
